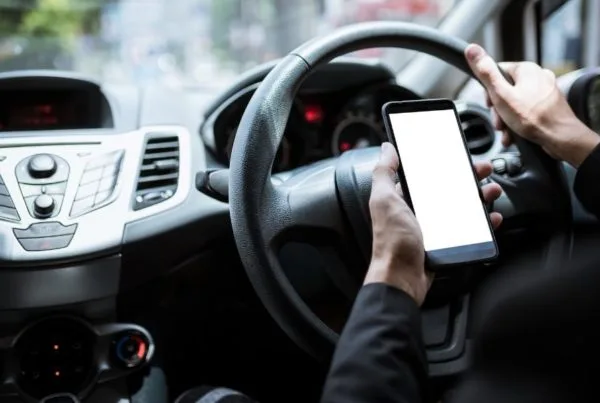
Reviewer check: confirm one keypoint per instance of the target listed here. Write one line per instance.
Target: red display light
(345, 146)
(313, 113)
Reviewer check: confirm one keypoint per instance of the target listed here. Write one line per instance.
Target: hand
(533, 108)
(398, 254)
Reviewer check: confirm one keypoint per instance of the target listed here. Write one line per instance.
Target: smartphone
(439, 182)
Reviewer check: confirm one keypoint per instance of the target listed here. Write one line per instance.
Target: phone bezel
(475, 253)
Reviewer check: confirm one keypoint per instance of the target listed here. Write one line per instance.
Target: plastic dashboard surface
(70, 195)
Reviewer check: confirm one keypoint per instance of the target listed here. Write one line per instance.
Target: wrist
(410, 278)
(573, 142)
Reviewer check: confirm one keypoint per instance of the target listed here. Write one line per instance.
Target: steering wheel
(327, 202)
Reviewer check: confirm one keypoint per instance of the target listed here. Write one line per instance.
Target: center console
(66, 355)
(69, 179)
(71, 182)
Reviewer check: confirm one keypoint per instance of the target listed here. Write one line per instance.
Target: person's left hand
(398, 254)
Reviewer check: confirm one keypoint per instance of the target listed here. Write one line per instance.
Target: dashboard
(326, 120)
(51, 103)
(321, 124)
(97, 193)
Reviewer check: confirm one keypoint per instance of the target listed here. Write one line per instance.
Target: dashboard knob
(41, 166)
(43, 206)
(131, 350)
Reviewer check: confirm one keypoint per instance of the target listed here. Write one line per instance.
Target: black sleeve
(587, 182)
(380, 356)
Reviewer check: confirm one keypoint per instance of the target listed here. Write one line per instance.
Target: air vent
(478, 132)
(159, 172)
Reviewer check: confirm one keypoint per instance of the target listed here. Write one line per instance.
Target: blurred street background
(206, 43)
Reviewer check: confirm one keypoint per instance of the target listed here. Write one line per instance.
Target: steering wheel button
(46, 229)
(47, 243)
(86, 190)
(499, 165)
(91, 176)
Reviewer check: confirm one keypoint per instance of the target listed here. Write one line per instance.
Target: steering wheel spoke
(309, 196)
(314, 217)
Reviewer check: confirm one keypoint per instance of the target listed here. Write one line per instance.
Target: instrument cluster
(321, 124)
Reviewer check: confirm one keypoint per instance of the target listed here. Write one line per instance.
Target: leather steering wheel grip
(259, 211)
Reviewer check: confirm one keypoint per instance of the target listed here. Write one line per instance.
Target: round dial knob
(41, 166)
(43, 206)
(131, 350)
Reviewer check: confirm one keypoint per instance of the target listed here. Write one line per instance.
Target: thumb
(487, 72)
(386, 169)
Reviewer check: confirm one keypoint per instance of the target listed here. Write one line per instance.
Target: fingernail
(474, 51)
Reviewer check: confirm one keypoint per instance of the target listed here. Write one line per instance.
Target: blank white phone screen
(439, 177)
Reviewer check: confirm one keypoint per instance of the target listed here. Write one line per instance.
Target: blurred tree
(44, 30)
(60, 18)
(12, 13)
(222, 14)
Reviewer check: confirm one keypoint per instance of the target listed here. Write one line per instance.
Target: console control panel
(66, 355)
(43, 181)
(71, 196)
(45, 236)
(8, 211)
(97, 183)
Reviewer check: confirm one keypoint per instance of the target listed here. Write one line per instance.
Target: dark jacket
(540, 345)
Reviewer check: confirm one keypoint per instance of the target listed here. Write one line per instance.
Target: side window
(563, 38)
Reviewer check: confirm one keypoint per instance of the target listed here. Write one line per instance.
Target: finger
(509, 68)
(385, 172)
(506, 139)
(488, 100)
(487, 72)
(491, 192)
(550, 74)
(497, 121)
(483, 169)
(496, 219)
(399, 189)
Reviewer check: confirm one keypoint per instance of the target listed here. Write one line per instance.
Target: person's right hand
(533, 107)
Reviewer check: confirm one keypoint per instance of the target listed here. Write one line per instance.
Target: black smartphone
(439, 181)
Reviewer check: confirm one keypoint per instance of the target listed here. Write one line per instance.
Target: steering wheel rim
(261, 212)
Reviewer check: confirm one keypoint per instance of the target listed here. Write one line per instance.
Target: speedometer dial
(357, 130)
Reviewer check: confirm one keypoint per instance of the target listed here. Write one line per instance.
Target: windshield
(184, 42)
